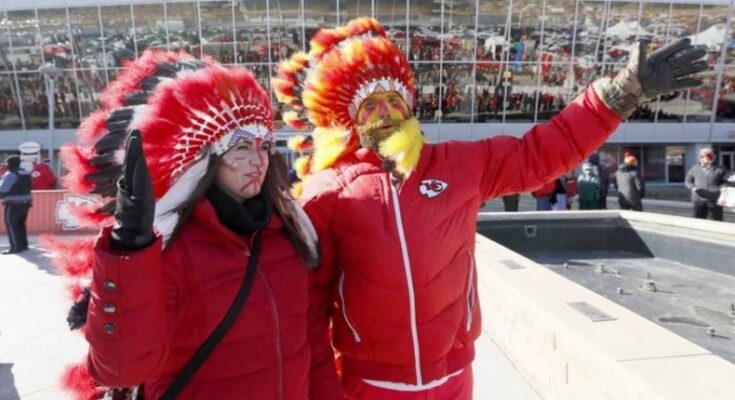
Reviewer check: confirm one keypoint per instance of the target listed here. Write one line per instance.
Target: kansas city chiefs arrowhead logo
(432, 187)
(65, 217)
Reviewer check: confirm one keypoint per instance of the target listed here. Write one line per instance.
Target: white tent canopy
(711, 37)
(624, 30)
(495, 40)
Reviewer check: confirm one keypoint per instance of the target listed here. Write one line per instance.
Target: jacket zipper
(409, 282)
(471, 293)
(279, 354)
(344, 308)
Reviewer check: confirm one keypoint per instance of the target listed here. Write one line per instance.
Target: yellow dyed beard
(401, 145)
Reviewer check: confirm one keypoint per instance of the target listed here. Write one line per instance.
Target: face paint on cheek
(399, 109)
(253, 183)
(232, 161)
(367, 117)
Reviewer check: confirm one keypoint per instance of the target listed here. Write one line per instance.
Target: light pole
(51, 73)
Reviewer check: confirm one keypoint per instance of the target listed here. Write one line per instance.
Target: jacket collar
(205, 213)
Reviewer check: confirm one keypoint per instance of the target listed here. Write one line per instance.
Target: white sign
(65, 217)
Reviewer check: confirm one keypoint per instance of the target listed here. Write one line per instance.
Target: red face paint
(243, 168)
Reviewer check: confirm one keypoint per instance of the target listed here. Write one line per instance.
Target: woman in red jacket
(201, 215)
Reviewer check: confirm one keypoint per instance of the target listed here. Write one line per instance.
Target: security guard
(15, 192)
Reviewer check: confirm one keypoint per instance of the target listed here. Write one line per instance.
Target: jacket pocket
(355, 335)
(471, 295)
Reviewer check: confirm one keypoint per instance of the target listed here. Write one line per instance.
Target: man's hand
(135, 202)
(646, 76)
(670, 67)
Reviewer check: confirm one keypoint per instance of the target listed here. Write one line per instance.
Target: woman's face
(242, 170)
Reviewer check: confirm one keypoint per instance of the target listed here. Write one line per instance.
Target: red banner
(49, 213)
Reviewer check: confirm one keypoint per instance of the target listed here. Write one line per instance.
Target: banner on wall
(51, 214)
(64, 216)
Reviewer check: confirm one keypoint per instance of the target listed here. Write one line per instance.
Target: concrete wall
(683, 240)
(565, 355)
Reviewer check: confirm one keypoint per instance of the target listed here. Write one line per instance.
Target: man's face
(242, 171)
(379, 116)
(706, 158)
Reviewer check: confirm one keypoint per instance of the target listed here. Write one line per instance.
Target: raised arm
(131, 299)
(548, 150)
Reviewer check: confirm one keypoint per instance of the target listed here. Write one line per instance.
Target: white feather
(165, 225)
(181, 191)
(119, 155)
(307, 229)
(141, 116)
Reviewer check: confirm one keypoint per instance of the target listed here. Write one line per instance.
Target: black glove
(710, 195)
(666, 69)
(135, 207)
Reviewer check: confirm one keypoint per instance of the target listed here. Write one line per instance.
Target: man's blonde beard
(401, 145)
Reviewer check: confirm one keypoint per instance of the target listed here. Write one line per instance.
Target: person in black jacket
(630, 185)
(704, 181)
(15, 191)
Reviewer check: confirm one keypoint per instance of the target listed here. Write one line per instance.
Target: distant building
(482, 68)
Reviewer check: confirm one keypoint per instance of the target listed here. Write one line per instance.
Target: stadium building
(483, 67)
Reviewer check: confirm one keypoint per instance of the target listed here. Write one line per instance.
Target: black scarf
(242, 218)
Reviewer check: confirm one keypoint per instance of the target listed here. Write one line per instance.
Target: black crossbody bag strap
(213, 340)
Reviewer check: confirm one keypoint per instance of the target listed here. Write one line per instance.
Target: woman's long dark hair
(275, 187)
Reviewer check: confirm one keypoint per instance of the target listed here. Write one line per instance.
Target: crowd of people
(710, 185)
(445, 92)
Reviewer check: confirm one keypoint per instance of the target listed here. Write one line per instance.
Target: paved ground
(35, 343)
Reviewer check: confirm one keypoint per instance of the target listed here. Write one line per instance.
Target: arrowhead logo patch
(432, 187)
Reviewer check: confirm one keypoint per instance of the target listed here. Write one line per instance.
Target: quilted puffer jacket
(398, 274)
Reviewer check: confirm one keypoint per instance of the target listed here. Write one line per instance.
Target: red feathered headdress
(326, 86)
(190, 118)
(344, 66)
(186, 109)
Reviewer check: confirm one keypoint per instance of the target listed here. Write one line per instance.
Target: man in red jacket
(396, 217)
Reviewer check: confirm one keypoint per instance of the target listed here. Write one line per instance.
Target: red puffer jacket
(150, 310)
(400, 260)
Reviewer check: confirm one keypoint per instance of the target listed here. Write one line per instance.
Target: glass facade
(474, 60)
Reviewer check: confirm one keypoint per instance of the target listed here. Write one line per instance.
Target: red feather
(135, 72)
(76, 161)
(75, 291)
(93, 127)
(88, 217)
(77, 380)
(73, 258)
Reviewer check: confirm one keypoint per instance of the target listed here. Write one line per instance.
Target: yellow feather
(295, 142)
(329, 145)
(404, 146)
(297, 189)
(301, 166)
